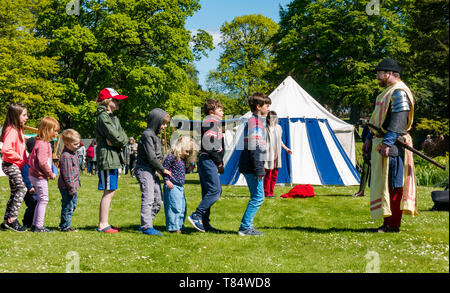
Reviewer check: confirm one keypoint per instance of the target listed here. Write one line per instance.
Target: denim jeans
(210, 184)
(256, 199)
(68, 206)
(174, 207)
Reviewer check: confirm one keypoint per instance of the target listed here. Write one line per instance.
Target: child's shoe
(152, 231)
(70, 229)
(15, 226)
(250, 232)
(196, 221)
(108, 229)
(41, 229)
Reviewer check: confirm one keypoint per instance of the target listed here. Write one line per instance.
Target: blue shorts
(108, 179)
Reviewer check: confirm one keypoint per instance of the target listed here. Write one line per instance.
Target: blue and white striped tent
(323, 146)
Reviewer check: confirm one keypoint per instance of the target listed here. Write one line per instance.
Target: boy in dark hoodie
(149, 161)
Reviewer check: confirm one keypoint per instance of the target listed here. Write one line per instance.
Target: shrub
(428, 174)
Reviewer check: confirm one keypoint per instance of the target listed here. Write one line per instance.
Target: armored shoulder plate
(400, 101)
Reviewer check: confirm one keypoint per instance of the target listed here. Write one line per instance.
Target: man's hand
(384, 150)
(53, 176)
(221, 169)
(169, 184)
(31, 191)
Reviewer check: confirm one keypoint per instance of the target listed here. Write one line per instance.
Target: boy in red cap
(111, 138)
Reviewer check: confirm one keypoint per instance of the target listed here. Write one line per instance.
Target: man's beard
(383, 82)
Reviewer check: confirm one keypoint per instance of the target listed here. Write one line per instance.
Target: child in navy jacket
(251, 162)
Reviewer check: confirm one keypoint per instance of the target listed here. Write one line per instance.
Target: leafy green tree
(332, 46)
(428, 35)
(26, 74)
(139, 48)
(245, 60)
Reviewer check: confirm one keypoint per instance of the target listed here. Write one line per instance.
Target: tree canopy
(246, 58)
(57, 62)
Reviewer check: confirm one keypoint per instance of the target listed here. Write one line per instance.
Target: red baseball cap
(108, 93)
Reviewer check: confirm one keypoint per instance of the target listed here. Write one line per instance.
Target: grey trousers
(151, 195)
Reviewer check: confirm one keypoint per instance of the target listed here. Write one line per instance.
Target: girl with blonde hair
(178, 162)
(41, 163)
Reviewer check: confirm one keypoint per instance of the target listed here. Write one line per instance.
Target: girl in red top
(14, 159)
(41, 169)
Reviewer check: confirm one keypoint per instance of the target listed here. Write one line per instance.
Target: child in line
(81, 152)
(90, 158)
(111, 138)
(41, 169)
(178, 162)
(251, 162)
(14, 159)
(210, 164)
(149, 161)
(274, 144)
(69, 178)
(30, 198)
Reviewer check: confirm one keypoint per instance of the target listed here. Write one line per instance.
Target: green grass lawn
(324, 234)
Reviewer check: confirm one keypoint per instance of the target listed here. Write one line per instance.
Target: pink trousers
(41, 190)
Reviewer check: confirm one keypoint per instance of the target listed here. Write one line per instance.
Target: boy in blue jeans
(210, 164)
(251, 162)
(69, 178)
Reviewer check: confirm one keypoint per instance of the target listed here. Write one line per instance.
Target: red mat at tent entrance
(300, 191)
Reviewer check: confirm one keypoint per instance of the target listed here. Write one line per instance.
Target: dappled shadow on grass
(134, 228)
(321, 231)
(431, 210)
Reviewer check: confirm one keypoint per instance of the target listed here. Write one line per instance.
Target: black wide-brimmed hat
(388, 65)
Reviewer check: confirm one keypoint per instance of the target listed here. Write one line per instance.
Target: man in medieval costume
(392, 182)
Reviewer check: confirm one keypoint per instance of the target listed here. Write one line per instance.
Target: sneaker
(41, 229)
(250, 232)
(70, 229)
(108, 229)
(196, 221)
(152, 231)
(14, 226)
